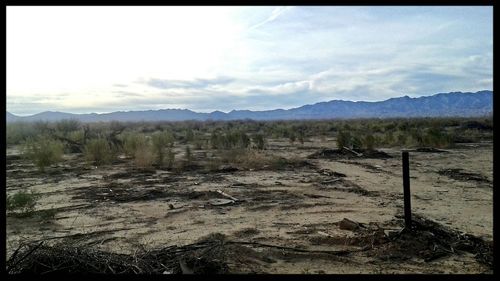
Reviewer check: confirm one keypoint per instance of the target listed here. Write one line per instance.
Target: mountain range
(454, 104)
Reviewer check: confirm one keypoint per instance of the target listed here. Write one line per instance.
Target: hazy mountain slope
(443, 104)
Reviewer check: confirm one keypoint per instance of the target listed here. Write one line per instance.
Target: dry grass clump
(254, 160)
(162, 143)
(99, 152)
(144, 157)
(22, 202)
(43, 151)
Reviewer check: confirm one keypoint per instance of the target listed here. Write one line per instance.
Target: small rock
(220, 202)
(348, 224)
(324, 234)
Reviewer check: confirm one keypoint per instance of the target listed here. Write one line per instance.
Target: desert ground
(331, 212)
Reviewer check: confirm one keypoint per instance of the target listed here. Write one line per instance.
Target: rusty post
(406, 189)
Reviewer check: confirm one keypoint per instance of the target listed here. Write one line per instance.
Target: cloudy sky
(104, 59)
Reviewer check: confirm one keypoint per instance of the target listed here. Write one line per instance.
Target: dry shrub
(99, 152)
(252, 159)
(162, 142)
(170, 158)
(144, 157)
(23, 202)
(43, 151)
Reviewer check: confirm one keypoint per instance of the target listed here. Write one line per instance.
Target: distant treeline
(156, 143)
(397, 131)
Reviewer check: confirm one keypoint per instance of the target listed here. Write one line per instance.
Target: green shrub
(369, 142)
(243, 140)
(67, 125)
(188, 155)
(388, 138)
(99, 151)
(42, 127)
(170, 158)
(76, 136)
(231, 139)
(189, 135)
(18, 132)
(259, 141)
(23, 202)
(437, 138)
(47, 215)
(214, 140)
(343, 139)
(278, 163)
(356, 142)
(161, 142)
(301, 136)
(132, 141)
(291, 137)
(401, 138)
(43, 151)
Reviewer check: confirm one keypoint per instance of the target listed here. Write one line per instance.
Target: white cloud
(77, 58)
(274, 15)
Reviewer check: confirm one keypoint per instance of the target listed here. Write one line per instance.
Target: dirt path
(299, 207)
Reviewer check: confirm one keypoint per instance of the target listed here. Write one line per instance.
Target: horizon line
(200, 112)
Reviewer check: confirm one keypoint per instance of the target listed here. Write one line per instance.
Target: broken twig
(350, 150)
(227, 195)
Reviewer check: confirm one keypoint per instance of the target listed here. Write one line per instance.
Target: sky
(105, 59)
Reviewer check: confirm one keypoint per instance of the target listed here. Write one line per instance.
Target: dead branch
(227, 195)
(338, 253)
(77, 235)
(24, 257)
(350, 150)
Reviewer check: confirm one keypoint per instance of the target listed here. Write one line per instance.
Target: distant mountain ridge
(452, 104)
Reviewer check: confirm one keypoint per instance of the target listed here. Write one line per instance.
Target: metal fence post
(406, 189)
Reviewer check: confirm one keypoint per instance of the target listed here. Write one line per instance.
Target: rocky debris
(429, 240)
(430, 150)
(331, 173)
(227, 169)
(348, 154)
(249, 231)
(348, 224)
(461, 175)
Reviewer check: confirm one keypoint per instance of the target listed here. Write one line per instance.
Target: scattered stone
(227, 169)
(461, 175)
(348, 224)
(331, 173)
(220, 202)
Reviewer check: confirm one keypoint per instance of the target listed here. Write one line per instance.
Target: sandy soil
(296, 207)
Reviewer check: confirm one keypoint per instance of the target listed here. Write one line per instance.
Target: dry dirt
(121, 209)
